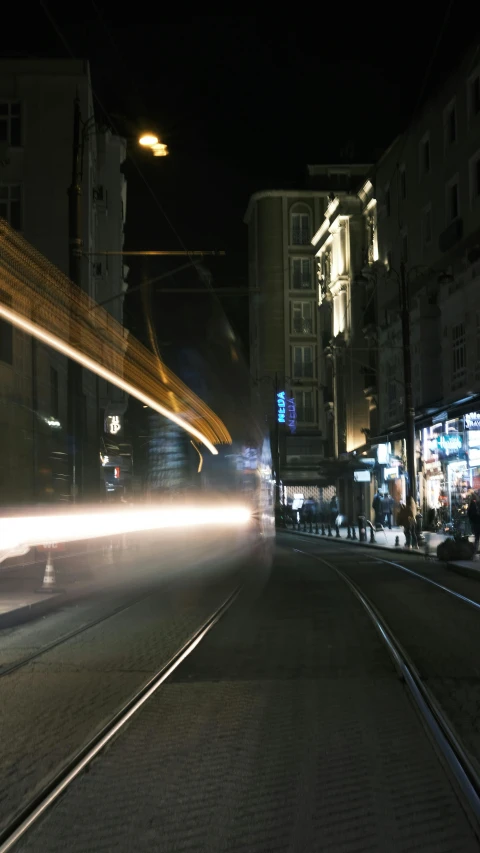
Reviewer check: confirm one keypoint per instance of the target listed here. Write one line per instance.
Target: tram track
(35, 809)
(461, 766)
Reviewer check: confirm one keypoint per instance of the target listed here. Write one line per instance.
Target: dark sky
(243, 102)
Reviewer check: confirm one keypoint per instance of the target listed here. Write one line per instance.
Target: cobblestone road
(51, 707)
(286, 730)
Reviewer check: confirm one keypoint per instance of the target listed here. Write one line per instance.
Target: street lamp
(149, 140)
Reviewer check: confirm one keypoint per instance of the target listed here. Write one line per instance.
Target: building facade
(285, 335)
(36, 141)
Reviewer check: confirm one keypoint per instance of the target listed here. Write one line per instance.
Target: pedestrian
(473, 513)
(391, 507)
(377, 508)
(406, 517)
(334, 509)
(386, 510)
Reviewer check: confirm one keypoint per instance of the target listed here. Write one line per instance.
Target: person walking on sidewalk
(406, 517)
(377, 508)
(473, 513)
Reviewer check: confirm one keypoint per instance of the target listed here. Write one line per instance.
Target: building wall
(285, 335)
(37, 167)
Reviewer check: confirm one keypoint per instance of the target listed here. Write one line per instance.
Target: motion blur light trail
(37, 298)
(26, 531)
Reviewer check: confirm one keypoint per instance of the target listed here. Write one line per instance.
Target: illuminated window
(302, 319)
(11, 204)
(300, 229)
(305, 406)
(11, 123)
(458, 356)
(303, 362)
(301, 274)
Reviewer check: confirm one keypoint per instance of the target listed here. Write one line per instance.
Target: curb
(31, 611)
(340, 541)
(466, 571)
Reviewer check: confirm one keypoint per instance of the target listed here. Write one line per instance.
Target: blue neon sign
(281, 407)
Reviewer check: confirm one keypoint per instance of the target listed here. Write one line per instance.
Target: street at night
(240, 431)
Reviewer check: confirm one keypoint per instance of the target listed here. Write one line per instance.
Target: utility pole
(407, 378)
(75, 373)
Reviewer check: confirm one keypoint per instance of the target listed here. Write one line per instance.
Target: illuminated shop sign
(382, 454)
(447, 444)
(472, 420)
(113, 424)
(391, 473)
(292, 414)
(286, 410)
(361, 476)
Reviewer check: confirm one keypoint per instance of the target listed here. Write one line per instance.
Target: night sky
(244, 103)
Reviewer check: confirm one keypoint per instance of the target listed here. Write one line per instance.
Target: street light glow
(148, 140)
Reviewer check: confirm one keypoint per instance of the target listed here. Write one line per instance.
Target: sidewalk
(386, 540)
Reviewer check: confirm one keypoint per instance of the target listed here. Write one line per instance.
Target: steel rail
(45, 799)
(461, 769)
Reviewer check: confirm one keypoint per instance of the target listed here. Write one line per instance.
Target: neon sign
(281, 407)
(292, 414)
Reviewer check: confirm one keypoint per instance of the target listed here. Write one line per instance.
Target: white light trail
(56, 343)
(27, 531)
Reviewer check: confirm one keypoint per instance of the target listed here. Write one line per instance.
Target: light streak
(56, 343)
(25, 532)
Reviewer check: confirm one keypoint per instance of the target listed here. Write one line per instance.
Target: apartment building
(36, 141)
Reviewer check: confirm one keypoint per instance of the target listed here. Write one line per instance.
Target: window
(11, 123)
(6, 342)
(405, 247)
(301, 274)
(302, 320)
(458, 356)
(425, 155)
(451, 201)
(54, 392)
(300, 229)
(450, 124)
(403, 182)
(475, 177)
(388, 203)
(305, 406)
(11, 204)
(474, 95)
(427, 225)
(302, 362)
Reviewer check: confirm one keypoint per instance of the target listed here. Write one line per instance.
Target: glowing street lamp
(149, 140)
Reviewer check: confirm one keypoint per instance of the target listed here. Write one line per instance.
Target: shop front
(447, 478)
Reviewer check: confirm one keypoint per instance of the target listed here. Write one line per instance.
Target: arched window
(300, 228)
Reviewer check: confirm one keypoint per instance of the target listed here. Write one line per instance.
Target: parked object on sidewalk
(458, 548)
(49, 580)
(474, 519)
